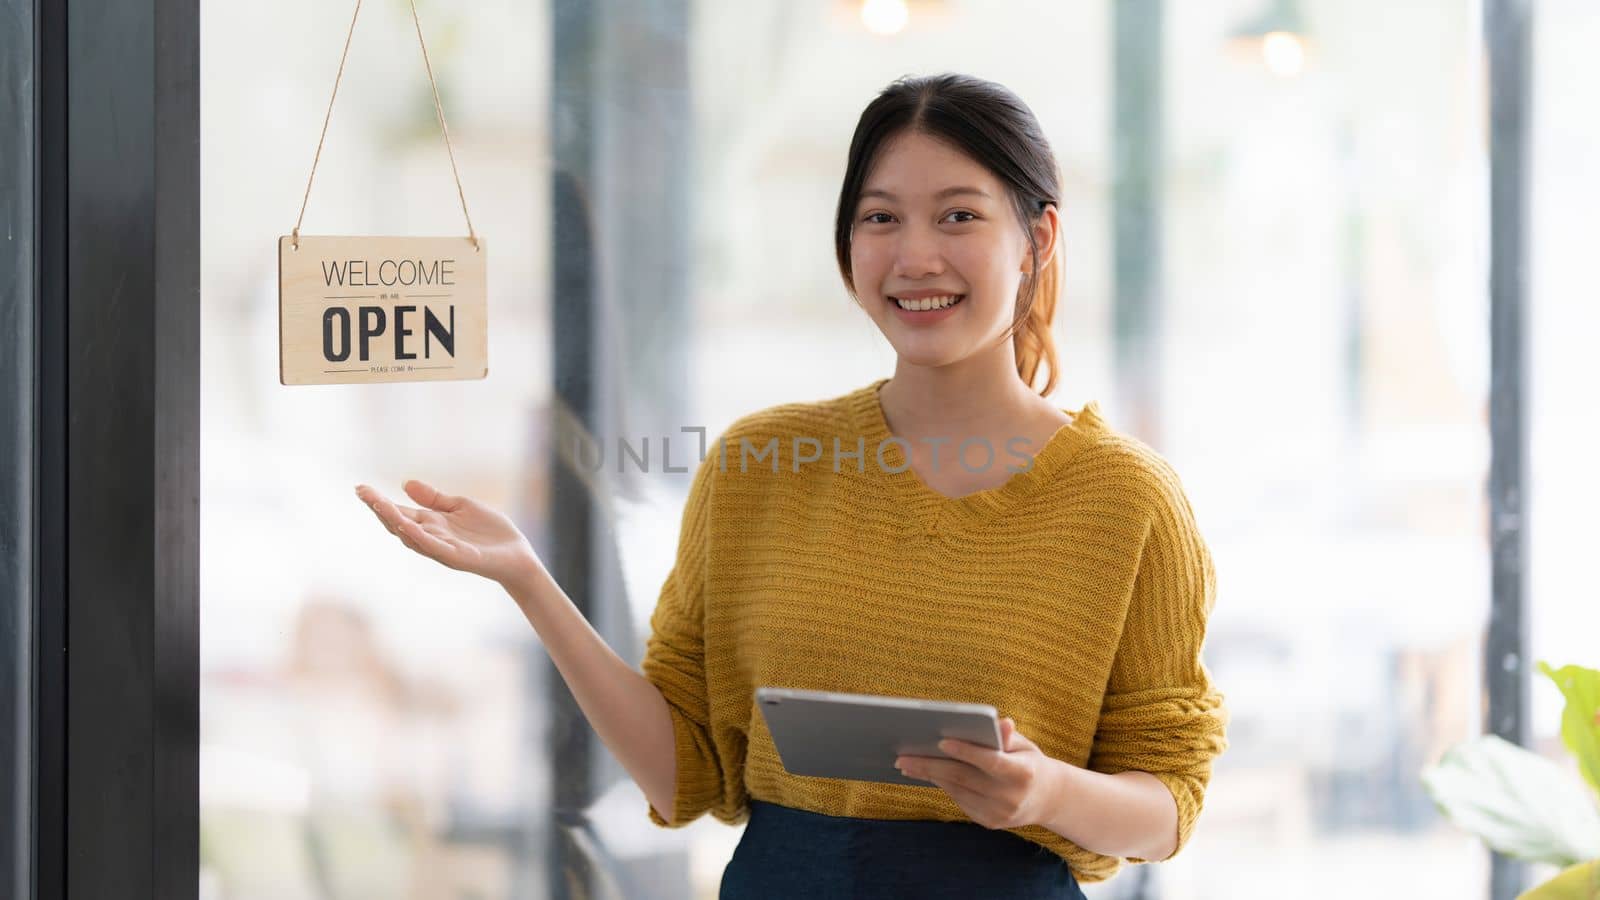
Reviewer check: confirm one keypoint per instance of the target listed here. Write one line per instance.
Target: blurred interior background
(1276, 256)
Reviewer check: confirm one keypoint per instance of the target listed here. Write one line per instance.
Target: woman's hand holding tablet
(859, 736)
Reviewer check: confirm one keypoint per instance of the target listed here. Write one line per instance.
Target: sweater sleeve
(1161, 712)
(674, 661)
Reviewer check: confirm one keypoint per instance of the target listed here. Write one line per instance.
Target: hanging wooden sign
(358, 310)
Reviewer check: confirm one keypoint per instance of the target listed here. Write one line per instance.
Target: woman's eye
(883, 218)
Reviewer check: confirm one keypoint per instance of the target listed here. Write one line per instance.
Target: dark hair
(996, 129)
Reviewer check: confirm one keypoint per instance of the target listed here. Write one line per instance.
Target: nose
(917, 254)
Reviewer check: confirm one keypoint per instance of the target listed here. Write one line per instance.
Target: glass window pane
(1563, 317)
(372, 722)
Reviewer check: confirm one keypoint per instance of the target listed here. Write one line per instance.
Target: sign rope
(438, 108)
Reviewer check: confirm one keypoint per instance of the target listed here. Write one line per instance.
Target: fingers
(974, 755)
(427, 543)
(430, 497)
(381, 504)
(392, 510)
(394, 518)
(1016, 740)
(398, 515)
(372, 499)
(413, 534)
(944, 772)
(406, 524)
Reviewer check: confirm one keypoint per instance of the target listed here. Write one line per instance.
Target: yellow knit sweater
(1073, 598)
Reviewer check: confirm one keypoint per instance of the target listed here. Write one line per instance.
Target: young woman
(945, 533)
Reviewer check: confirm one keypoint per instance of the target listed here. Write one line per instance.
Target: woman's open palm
(457, 531)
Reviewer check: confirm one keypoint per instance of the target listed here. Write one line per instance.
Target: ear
(1046, 233)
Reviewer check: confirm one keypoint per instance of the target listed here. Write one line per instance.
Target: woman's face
(933, 224)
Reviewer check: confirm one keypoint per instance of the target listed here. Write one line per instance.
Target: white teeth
(927, 302)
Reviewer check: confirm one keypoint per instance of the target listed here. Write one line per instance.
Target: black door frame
(18, 176)
(1507, 670)
(114, 458)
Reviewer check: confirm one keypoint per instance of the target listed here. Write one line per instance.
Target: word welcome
(404, 272)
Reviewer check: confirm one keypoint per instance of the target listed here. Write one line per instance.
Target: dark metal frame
(115, 380)
(17, 221)
(1507, 35)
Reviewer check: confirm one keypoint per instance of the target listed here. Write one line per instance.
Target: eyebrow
(947, 192)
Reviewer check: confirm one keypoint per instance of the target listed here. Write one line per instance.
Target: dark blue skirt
(788, 852)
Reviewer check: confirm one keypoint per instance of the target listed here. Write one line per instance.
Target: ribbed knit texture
(1073, 598)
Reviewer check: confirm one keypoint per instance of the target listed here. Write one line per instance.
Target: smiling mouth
(928, 303)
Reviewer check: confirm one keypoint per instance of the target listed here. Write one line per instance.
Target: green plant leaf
(1518, 802)
(1580, 882)
(1580, 721)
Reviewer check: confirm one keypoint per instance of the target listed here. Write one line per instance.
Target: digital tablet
(859, 736)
